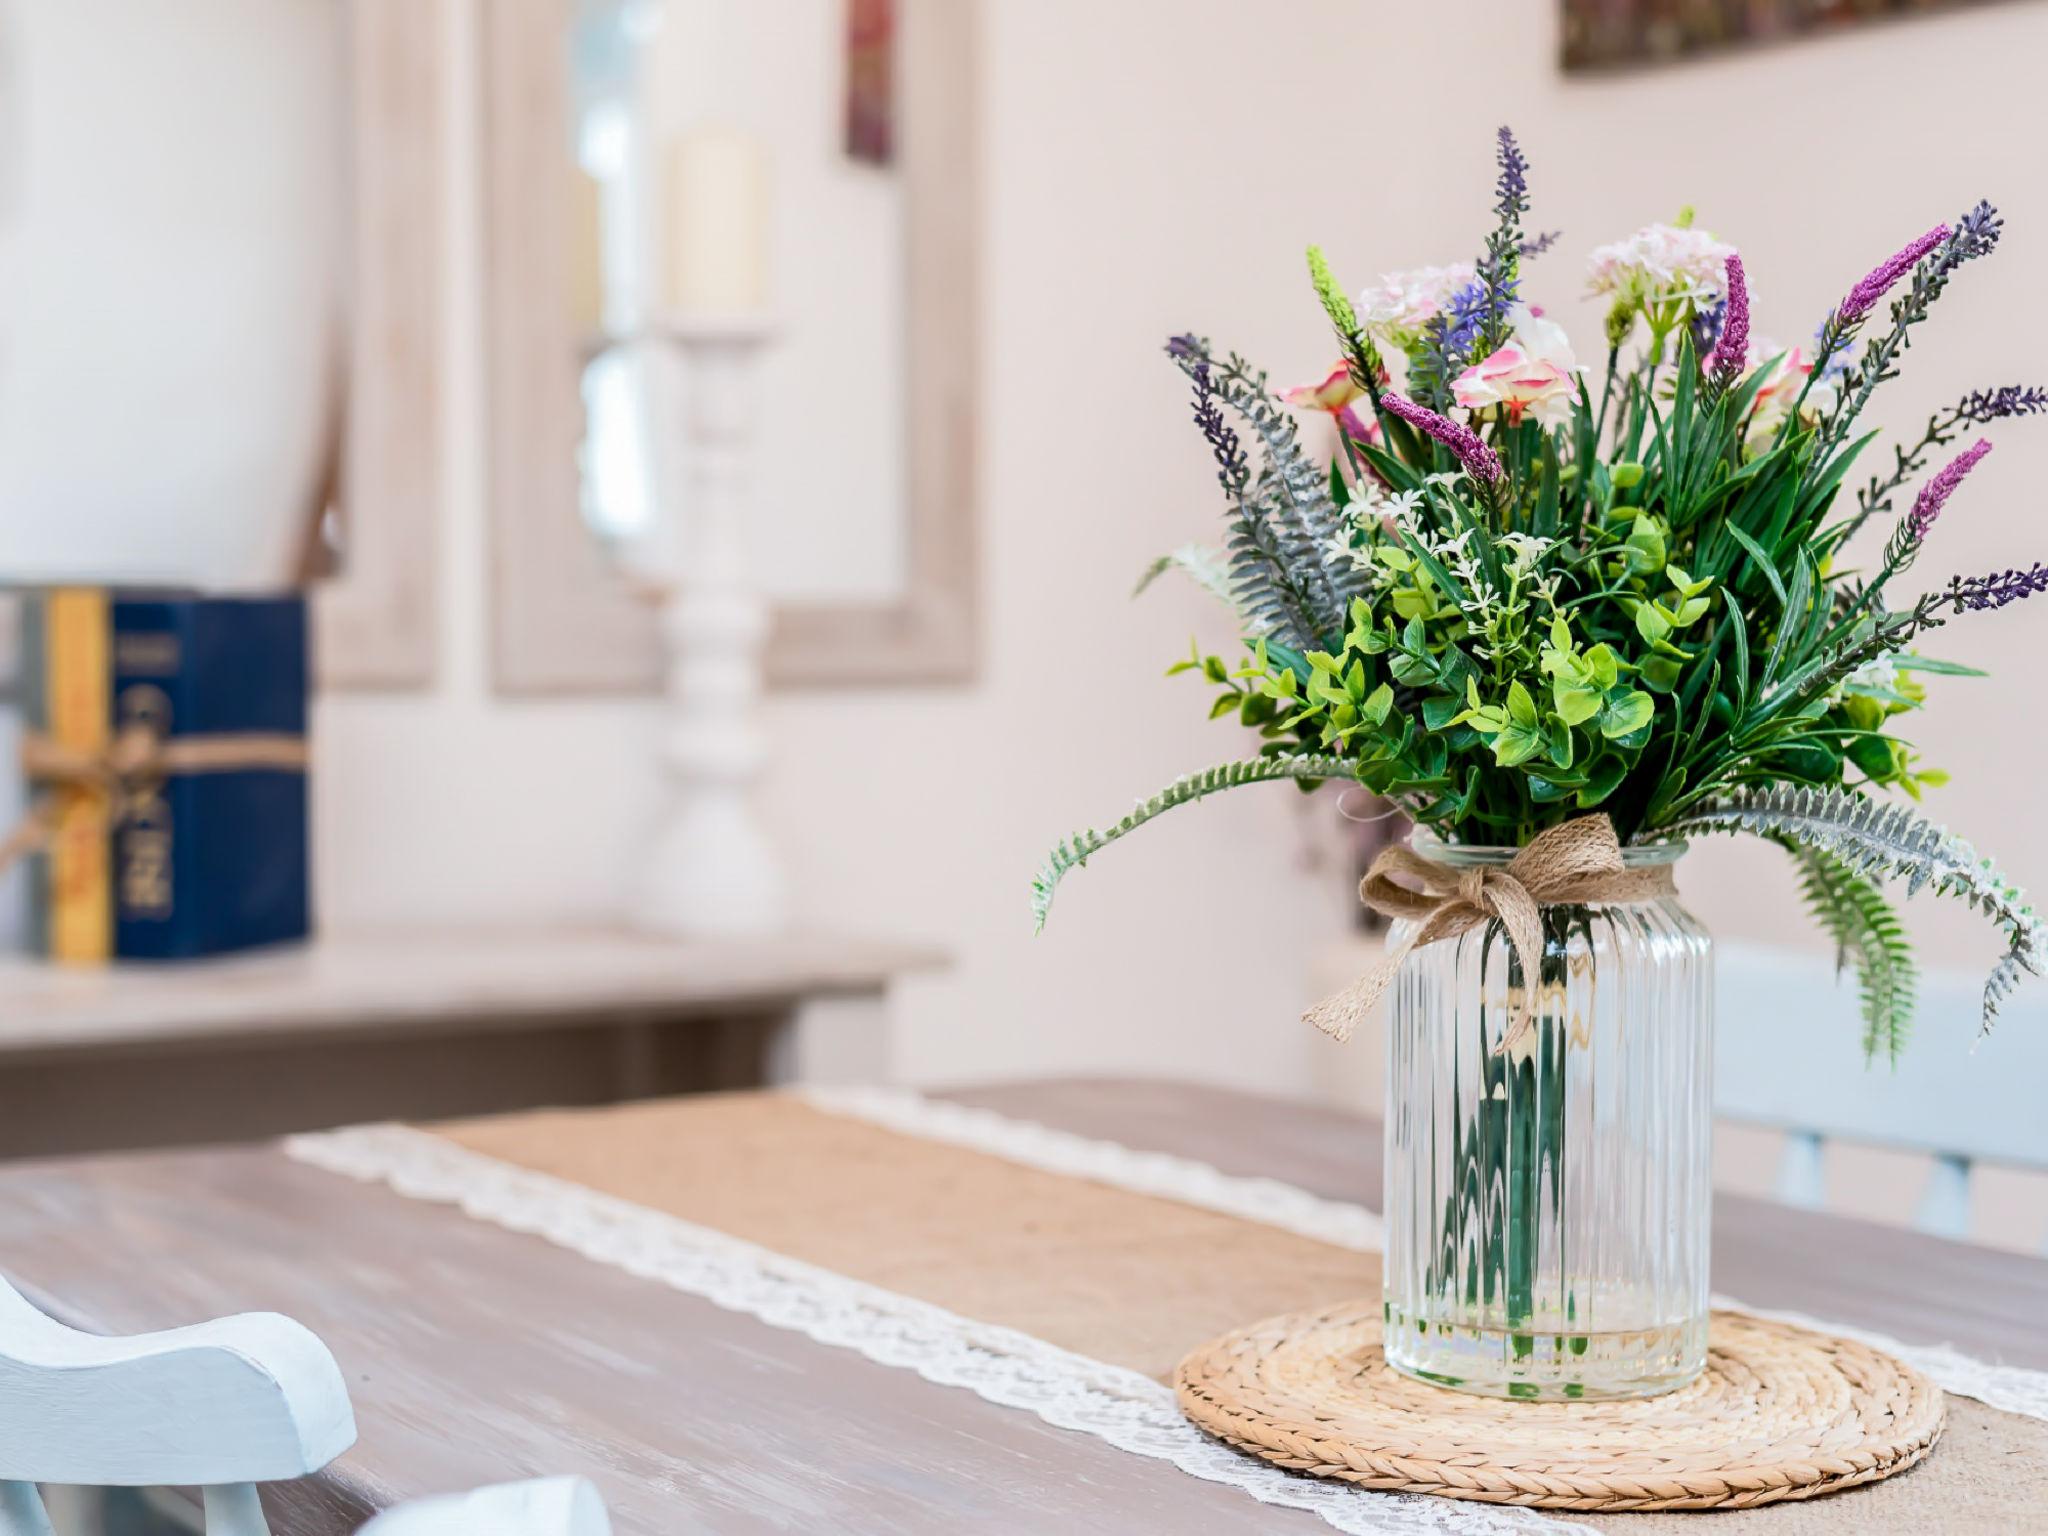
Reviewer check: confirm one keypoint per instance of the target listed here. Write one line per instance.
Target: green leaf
(1575, 705)
(1440, 709)
(1560, 736)
(1906, 661)
(1602, 664)
(1626, 712)
(1762, 561)
(1375, 708)
(1602, 779)
(1644, 547)
(1075, 851)
(1517, 744)
(1521, 707)
(1852, 910)
(1660, 673)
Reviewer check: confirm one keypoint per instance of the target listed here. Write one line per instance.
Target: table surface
(476, 1355)
(370, 982)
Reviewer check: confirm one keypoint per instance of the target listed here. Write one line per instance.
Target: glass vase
(1547, 1206)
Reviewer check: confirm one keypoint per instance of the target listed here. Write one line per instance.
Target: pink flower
(1533, 374)
(1339, 395)
(1783, 385)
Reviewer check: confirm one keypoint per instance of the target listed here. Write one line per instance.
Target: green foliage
(1874, 842)
(1648, 612)
(1076, 850)
(1209, 570)
(1851, 909)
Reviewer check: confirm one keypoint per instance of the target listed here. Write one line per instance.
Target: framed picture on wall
(1617, 34)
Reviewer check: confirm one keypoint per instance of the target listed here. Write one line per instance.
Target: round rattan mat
(1780, 1413)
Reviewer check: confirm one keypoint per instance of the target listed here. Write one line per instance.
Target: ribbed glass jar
(1547, 1207)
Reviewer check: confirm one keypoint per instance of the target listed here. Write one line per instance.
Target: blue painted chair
(1787, 1057)
(222, 1406)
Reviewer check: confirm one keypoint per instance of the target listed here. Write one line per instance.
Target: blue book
(216, 858)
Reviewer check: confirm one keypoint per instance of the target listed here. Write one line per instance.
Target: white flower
(1403, 504)
(1527, 549)
(1396, 309)
(1881, 672)
(1660, 264)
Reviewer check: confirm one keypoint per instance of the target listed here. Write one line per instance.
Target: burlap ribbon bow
(1573, 862)
(138, 756)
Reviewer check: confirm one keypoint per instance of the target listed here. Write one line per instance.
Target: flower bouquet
(1566, 617)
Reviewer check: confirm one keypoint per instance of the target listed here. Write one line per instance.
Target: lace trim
(2011, 1389)
(1014, 1370)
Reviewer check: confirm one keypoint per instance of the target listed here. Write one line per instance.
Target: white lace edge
(2012, 1389)
(1014, 1370)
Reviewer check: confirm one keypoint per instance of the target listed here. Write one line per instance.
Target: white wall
(1157, 165)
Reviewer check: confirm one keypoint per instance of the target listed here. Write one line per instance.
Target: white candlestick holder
(712, 871)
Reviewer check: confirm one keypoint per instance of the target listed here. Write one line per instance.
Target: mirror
(856, 113)
(219, 269)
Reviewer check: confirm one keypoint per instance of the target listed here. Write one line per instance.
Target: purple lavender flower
(1480, 461)
(1706, 327)
(1982, 405)
(1536, 245)
(1512, 186)
(1465, 312)
(1731, 349)
(1187, 346)
(1936, 492)
(1972, 594)
(1976, 233)
(1864, 296)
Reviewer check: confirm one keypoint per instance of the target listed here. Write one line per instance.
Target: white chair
(1787, 1056)
(548, 1506)
(221, 1406)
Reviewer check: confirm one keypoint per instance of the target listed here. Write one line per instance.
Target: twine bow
(139, 757)
(1574, 861)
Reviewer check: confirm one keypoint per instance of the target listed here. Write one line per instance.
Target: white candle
(717, 223)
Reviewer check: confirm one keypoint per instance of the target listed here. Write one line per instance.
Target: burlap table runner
(1129, 1279)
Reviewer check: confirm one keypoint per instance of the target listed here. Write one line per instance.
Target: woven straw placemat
(1780, 1413)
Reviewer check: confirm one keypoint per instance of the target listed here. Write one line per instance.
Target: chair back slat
(1788, 1056)
(1801, 1171)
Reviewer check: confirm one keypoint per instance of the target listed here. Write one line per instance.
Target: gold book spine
(78, 677)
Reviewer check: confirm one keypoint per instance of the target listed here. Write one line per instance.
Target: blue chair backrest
(1788, 1055)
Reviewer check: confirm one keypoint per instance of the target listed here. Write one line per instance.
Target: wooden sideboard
(424, 1023)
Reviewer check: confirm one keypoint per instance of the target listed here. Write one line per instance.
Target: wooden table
(475, 1354)
(424, 1023)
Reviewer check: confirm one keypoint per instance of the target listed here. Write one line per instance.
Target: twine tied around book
(1573, 862)
(137, 758)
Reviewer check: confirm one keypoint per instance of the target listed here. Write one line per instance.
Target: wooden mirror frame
(375, 619)
(564, 619)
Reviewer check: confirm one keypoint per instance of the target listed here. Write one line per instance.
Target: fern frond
(1852, 910)
(1210, 571)
(1077, 850)
(1879, 842)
